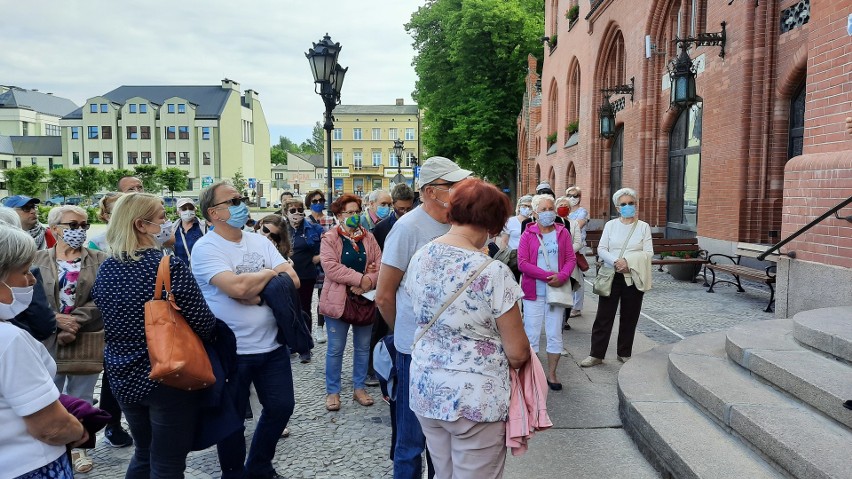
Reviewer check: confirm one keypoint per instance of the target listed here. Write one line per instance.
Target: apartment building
(209, 131)
(362, 146)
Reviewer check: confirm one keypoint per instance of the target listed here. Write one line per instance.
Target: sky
(79, 49)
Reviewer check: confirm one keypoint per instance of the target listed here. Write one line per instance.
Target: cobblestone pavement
(354, 441)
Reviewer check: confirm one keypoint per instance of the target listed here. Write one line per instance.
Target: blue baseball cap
(19, 201)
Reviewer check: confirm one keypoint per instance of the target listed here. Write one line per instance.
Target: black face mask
(275, 237)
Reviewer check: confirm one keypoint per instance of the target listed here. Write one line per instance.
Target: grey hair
(402, 192)
(537, 199)
(624, 191)
(208, 196)
(561, 199)
(10, 216)
(55, 214)
(18, 251)
(525, 199)
(374, 195)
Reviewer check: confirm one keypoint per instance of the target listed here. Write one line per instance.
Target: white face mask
(164, 234)
(21, 299)
(573, 201)
(526, 210)
(187, 215)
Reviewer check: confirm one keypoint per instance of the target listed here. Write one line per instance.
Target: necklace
(469, 241)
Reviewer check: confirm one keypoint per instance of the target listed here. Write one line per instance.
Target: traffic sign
(252, 182)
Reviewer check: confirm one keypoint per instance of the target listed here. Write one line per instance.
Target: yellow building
(362, 146)
(209, 131)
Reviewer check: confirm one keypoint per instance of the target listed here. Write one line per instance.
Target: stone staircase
(763, 399)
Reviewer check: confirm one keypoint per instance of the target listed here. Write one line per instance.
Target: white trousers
(538, 312)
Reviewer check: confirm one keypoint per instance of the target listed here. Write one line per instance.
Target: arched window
(614, 74)
(797, 123)
(616, 165)
(552, 109)
(573, 110)
(571, 176)
(551, 178)
(684, 173)
(537, 174)
(554, 18)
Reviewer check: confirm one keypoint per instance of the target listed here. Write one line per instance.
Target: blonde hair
(122, 237)
(106, 205)
(575, 189)
(538, 199)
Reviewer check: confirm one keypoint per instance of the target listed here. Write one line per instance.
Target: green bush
(91, 212)
(680, 254)
(573, 13)
(551, 138)
(573, 127)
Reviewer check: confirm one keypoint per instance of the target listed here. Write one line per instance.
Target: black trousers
(108, 402)
(631, 304)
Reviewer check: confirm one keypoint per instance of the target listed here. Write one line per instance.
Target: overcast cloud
(80, 49)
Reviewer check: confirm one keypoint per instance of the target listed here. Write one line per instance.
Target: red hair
(479, 203)
(337, 207)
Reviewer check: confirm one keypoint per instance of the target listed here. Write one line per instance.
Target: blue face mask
(317, 207)
(627, 211)
(383, 211)
(239, 215)
(547, 218)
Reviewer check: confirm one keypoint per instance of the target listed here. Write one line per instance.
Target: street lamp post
(328, 81)
(398, 149)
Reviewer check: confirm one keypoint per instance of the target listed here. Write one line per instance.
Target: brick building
(763, 152)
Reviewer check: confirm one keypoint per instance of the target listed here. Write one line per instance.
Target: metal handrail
(801, 230)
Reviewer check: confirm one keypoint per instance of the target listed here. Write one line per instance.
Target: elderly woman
(305, 252)
(625, 246)
(460, 364)
(187, 231)
(36, 428)
(274, 227)
(546, 258)
(579, 214)
(510, 236)
(350, 255)
(162, 419)
(316, 200)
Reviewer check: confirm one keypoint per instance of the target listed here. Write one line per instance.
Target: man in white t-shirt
(409, 234)
(232, 267)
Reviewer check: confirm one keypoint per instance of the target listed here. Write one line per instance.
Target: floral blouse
(459, 368)
(68, 272)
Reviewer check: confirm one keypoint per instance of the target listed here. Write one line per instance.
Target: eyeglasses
(317, 201)
(28, 208)
(73, 225)
(402, 211)
(232, 201)
(293, 211)
(187, 208)
(350, 213)
(631, 203)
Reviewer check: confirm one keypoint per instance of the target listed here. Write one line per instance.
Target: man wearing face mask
(379, 205)
(188, 230)
(411, 232)
(232, 268)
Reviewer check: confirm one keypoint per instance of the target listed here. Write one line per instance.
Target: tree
(470, 97)
(150, 176)
(277, 156)
(239, 182)
(26, 180)
(316, 143)
(61, 182)
(112, 177)
(173, 179)
(88, 181)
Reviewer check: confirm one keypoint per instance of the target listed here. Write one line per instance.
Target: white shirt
(513, 229)
(614, 235)
(26, 387)
(254, 326)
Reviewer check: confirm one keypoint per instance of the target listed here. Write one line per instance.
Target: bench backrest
(668, 245)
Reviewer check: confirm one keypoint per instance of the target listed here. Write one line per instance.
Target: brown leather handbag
(358, 310)
(178, 357)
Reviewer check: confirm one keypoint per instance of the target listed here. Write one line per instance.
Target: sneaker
(372, 380)
(319, 336)
(565, 352)
(624, 359)
(305, 358)
(590, 361)
(576, 313)
(116, 436)
(286, 432)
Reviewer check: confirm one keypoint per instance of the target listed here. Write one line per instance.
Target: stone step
(797, 438)
(826, 329)
(675, 436)
(768, 349)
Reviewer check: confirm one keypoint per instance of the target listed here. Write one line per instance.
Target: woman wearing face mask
(581, 216)
(98, 241)
(36, 428)
(545, 257)
(69, 271)
(316, 199)
(305, 248)
(350, 255)
(162, 419)
(632, 278)
(275, 228)
(187, 231)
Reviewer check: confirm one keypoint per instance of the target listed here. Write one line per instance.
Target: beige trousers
(464, 449)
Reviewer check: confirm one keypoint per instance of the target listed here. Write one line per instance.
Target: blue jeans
(337, 332)
(410, 441)
(273, 380)
(163, 429)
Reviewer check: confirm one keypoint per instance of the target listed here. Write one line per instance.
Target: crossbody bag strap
(452, 298)
(630, 235)
(541, 245)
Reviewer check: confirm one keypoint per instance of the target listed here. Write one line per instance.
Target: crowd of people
(458, 283)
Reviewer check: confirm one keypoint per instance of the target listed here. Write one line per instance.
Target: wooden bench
(735, 269)
(662, 246)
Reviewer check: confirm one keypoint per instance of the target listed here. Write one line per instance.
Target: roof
(377, 109)
(31, 145)
(6, 145)
(317, 160)
(210, 100)
(34, 100)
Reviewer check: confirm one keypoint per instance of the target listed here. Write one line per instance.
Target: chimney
(400, 101)
(230, 84)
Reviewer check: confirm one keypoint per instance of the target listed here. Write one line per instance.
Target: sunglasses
(316, 201)
(28, 208)
(573, 196)
(293, 211)
(631, 203)
(73, 225)
(232, 202)
(187, 208)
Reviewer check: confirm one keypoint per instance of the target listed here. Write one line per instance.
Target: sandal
(362, 397)
(575, 313)
(81, 461)
(332, 402)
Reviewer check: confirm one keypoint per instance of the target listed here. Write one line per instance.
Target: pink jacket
(527, 405)
(338, 278)
(528, 258)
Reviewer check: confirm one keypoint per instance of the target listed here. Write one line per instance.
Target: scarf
(37, 233)
(353, 236)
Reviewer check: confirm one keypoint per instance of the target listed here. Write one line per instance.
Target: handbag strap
(164, 279)
(630, 235)
(452, 298)
(546, 259)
